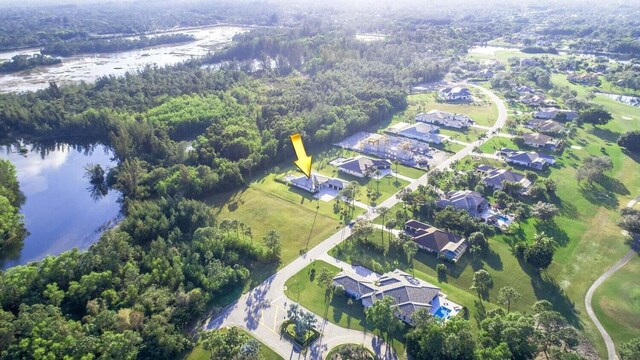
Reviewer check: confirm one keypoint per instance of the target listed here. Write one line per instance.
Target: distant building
(455, 94)
(470, 201)
(584, 79)
(363, 166)
(552, 112)
(443, 118)
(403, 150)
(494, 178)
(315, 183)
(542, 141)
(527, 159)
(432, 239)
(531, 99)
(409, 294)
(418, 131)
(546, 126)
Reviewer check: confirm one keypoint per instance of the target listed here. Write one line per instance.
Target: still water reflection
(61, 210)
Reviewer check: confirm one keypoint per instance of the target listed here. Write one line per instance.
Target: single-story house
(531, 99)
(421, 131)
(470, 201)
(584, 79)
(410, 294)
(542, 141)
(528, 159)
(546, 126)
(525, 90)
(363, 166)
(444, 118)
(484, 74)
(552, 113)
(432, 239)
(455, 94)
(315, 183)
(494, 178)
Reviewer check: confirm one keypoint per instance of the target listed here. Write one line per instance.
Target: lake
(89, 67)
(60, 212)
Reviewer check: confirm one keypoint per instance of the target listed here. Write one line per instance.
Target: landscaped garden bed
(287, 329)
(351, 352)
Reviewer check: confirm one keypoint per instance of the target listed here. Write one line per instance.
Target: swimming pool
(442, 312)
(503, 218)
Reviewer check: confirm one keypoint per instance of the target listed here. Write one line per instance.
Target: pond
(61, 211)
(89, 67)
(625, 99)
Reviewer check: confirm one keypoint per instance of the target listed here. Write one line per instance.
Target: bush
(286, 329)
(441, 269)
(630, 140)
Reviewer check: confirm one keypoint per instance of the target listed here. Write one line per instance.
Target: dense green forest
(68, 48)
(12, 229)
(27, 62)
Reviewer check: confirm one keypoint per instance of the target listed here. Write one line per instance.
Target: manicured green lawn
(198, 353)
(482, 111)
(497, 143)
(409, 171)
(304, 289)
(617, 303)
(467, 136)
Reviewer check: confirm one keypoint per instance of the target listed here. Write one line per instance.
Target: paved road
(611, 348)
(262, 309)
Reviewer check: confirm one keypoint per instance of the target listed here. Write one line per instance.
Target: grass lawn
(303, 289)
(409, 171)
(482, 111)
(617, 303)
(198, 353)
(497, 143)
(469, 135)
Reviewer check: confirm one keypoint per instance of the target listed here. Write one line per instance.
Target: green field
(303, 289)
(198, 353)
(482, 111)
(617, 303)
(469, 135)
(497, 143)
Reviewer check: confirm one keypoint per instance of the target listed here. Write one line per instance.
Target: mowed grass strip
(617, 303)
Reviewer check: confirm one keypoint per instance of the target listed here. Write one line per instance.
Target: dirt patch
(627, 118)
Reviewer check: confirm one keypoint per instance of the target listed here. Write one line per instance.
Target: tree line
(12, 229)
(68, 48)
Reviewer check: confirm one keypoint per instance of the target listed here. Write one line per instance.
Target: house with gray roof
(528, 159)
(315, 183)
(545, 126)
(456, 93)
(553, 112)
(470, 201)
(419, 131)
(429, 238)
(409, 294)
(446, 119)
(542, 141)
(494, 178)
(361, 166)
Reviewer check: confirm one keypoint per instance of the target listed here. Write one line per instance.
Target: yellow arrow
(304, 162)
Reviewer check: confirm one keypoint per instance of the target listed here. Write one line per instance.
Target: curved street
(261, 310)
(611, 348)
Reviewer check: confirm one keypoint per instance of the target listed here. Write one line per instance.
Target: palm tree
(382, 210)
(247, 233)
(411, 249)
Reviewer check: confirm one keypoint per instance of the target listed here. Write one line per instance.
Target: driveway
(262, 309)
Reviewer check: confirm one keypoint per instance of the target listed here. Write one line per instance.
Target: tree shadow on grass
(554, 231)
(601, 198)
(492, 259)
(546, 288)
(614, 185)
(566, 209)
(605, 134)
